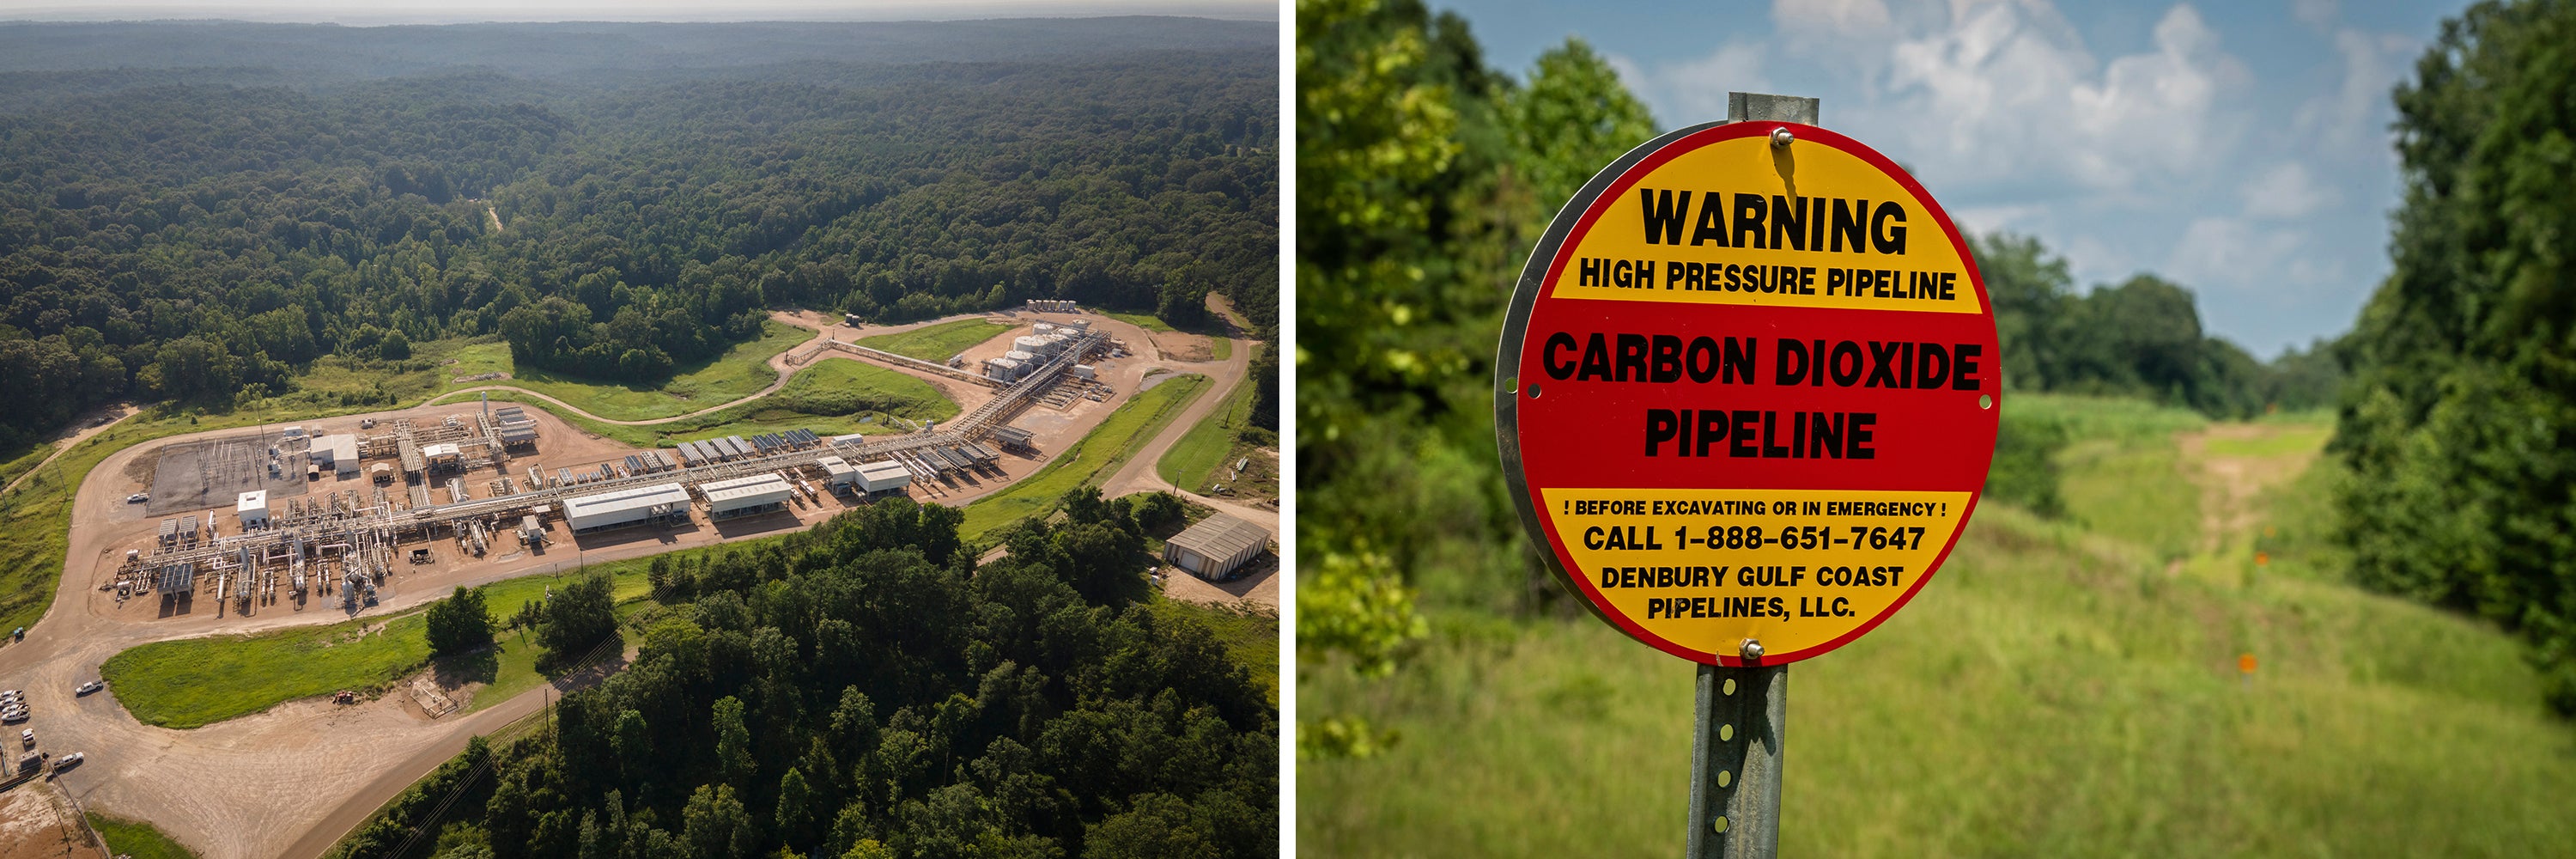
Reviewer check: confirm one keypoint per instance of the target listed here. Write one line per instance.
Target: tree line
(2459, 425)
(204, 244)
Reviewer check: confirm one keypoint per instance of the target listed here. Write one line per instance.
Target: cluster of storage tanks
(1033, 350)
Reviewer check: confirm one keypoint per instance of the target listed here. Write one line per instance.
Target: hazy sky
(461, 11)
(2241, 149)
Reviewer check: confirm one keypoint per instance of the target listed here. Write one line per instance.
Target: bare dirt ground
(1259, 583)
(292, 780)
(35, 821)
(2229, 485)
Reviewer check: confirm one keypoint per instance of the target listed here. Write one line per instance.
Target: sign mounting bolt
(1781, 137)
(1752, 650)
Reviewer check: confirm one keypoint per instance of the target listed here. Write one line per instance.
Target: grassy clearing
(1223, 346)
(741, 371)
(1211, 445)
(831, 397)
(1097, 454)
(200, 681)
(2044, 697)
(1250, 636)
(1147, 321)
(2121, 471)
(137, 839)
(2056, 692)
(936, 343)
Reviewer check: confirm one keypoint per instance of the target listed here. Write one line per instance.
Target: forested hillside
(865, 689)
(2460, 427)
(167, 238)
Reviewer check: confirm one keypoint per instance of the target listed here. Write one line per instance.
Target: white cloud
(2351, 121)
(2320, 14)
(2287, 190)
(1836, 19)
(1694, 91)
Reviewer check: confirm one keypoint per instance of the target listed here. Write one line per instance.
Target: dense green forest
(1424, 178)
(2460, 425)
(166, 238)
(865, 689)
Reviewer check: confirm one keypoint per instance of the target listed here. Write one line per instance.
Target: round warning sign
(1748, 390)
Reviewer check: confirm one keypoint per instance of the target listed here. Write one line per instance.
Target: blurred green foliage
(2460, 424)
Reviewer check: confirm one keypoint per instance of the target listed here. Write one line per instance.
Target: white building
(837, 472)
(336, 452)
(746, 496)
(634, 505)
(883, 476)
(252, 508)
(1215, 546)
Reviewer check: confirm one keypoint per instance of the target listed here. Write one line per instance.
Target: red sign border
(1562, 237)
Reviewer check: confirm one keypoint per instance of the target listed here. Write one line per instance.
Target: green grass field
(936, 343)
(1222, 346)
(1147, 321)
(201, 681)
(1211, 444)
(835, 396)
(1109, 444)
(741, 371)
(195, 682)
(136, 839)
(2055, 691)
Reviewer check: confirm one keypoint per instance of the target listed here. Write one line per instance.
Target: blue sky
(2240, 149)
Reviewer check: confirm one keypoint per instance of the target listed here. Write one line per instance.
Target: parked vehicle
(28, 737)
(138, 498)
(13, 716)
(89, 687)
(68, 761)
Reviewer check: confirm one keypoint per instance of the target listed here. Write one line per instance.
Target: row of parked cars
(13, 709)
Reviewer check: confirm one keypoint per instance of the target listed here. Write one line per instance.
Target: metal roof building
(338, 451)
(252, 507)
(633, 505)
(883, 476)
(1215, 546)
(837, 471)
(745, 496)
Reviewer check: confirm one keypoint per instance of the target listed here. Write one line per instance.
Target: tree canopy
(2460, 422)
(204, 242)
(866, 689)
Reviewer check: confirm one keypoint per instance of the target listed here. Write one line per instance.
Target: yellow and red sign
(1749, 391)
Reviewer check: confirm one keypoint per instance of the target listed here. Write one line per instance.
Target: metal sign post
(1742, 712)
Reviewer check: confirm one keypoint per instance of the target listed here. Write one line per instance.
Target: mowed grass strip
(936, 343)
(1117, 437)
(1204, 449)
(743, 370)
(195, 682)
(137, 839)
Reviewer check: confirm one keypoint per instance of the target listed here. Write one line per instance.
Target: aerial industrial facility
(474, 478)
